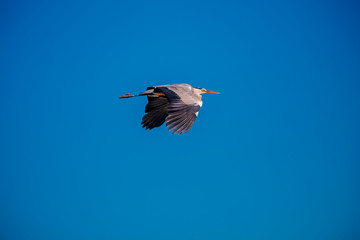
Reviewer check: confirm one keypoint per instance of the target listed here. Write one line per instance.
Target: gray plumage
(177, 104)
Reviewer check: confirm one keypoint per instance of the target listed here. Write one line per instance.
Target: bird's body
(177, 104)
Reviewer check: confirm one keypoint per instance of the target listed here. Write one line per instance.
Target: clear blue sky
(275, 156)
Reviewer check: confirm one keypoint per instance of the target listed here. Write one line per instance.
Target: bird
(177, 104)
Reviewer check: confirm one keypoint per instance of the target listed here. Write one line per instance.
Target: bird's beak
(212, 92)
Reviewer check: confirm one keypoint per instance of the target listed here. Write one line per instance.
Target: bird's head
(203, 91)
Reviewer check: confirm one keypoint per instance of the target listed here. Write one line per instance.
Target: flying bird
(177, 104)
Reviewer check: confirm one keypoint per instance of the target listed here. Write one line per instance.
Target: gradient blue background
(275, 156)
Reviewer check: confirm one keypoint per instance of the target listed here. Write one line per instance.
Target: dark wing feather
(181, 116)
(181, 122)
(156, 110)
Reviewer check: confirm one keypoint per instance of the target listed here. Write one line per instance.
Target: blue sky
(275, 156)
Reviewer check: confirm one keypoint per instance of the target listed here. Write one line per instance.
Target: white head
(199, 91)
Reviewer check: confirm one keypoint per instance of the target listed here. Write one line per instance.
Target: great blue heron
(177, 104)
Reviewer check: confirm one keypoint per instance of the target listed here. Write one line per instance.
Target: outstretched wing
(181, 116)
(156, 110)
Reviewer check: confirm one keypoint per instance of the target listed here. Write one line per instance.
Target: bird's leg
(156, 95)
(128, 95)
